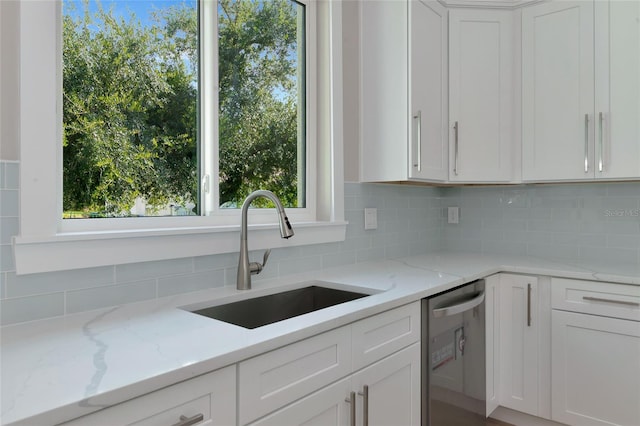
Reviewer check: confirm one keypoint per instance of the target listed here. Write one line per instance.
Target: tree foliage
(131, 105)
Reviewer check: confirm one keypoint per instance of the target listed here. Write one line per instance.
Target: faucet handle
(265, 257)
(256, 267)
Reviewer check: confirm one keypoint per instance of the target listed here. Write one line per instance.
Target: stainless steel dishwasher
(453, 357)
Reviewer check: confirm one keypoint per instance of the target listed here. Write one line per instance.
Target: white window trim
(43, 246)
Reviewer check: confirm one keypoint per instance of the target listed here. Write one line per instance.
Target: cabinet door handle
(619, 302)
(528, 305)
(418, 163)
(188, 421)
(352, 409)
(455, 142)
(601, 159)
(586, 143)
(365, 405)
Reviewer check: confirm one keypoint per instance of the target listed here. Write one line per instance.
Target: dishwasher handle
(460, 307)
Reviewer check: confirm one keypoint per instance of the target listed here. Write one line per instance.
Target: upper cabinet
(403, 59)
(476, 95)
(480, 95)
(581, 90)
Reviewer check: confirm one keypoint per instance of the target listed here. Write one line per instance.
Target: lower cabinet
(366, 373)
(385, 393)
(209, 399)
(595, 353)
(524, 344)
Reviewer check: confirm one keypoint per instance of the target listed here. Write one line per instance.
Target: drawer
(596, 298)
(211, 396)
(381, 335)
(273, 380)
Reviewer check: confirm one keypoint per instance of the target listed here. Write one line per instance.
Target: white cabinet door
(519, 342)
(595, 370)
(403, 59)
(384, 114)
(428, 58)
(557, 91)
(480, 95)
(327, 407)
(272, 380)
(393, 384)
(492, 337)
(617, 89)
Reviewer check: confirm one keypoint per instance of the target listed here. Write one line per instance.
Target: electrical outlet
(371, 218)
(453, 215)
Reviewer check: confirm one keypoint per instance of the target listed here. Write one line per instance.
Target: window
(47, 242)
(152, 127)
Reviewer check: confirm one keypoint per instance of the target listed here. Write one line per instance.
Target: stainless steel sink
(259, 311)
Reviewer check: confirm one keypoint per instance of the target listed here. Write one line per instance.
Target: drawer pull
(188, 421)
(365, 405)
(528, 305)
(619, 302)
(418, 118)
(352, 410)
(455, 156)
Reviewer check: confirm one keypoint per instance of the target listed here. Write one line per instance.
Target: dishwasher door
(453, 357)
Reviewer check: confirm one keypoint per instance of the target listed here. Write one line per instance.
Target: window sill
(85, 250)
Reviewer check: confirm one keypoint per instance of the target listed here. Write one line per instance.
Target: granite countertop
(59, 369)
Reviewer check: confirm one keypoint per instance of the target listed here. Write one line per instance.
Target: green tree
(130, 105)
(258, 99)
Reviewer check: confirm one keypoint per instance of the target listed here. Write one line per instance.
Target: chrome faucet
(246, 269)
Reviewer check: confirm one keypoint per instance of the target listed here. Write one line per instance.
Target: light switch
(371, 218)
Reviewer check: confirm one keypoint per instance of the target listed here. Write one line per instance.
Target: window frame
(47, 243)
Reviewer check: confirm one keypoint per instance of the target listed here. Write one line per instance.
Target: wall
(9, 81)
(351, 89)
(409, 222)
(597, 223)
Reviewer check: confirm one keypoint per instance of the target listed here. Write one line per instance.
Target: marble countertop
(59, 369)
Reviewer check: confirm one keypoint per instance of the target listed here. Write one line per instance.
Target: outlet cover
(371, 218)
(453, 215)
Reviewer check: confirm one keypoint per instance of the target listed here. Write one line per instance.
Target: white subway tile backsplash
(9, 226)
(396, 251)
(564, 222)
(12, 176)
(604, 255)
(333, 260)
(52, 282)
(9, 205)
(628, 189)
(301, 264)
(501, 247)
(317, 249)
(103, 297)
(176, 284)
(622, 241)
(6, 258)
(218, 261)
(31, 308)
(140, 271)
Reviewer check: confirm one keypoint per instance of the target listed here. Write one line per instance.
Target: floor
(494, 422)
(448, 415)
